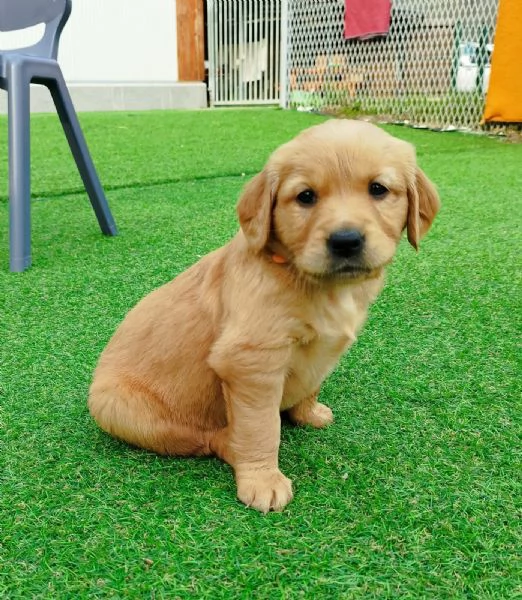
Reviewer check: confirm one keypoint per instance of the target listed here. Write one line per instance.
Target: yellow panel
(504, 98)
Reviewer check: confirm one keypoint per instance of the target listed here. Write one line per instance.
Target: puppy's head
(334, 201)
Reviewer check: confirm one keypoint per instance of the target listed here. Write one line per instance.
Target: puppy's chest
(321, 338)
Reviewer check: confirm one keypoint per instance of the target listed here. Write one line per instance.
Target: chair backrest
(20, 14)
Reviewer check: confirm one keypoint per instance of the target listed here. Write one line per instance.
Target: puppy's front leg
(253, 451)
(253, 383)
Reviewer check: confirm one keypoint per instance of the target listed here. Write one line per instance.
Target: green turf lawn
(414, 492)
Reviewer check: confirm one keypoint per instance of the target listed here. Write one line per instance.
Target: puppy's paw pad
(264, 490)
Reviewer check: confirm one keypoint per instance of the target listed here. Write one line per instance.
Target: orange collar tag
(277, 258)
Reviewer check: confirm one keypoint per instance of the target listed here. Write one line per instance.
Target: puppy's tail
(143, 420)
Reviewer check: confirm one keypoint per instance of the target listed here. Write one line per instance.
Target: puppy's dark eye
(377, 190)
(307, 198)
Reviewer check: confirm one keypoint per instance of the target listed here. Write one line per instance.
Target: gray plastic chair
(19, 68)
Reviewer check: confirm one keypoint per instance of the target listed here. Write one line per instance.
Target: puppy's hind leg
(311, 412)
(141, 418)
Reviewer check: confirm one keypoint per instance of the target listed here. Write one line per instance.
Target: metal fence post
(283, 57)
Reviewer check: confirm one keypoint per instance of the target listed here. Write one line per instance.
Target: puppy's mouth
(338, 270)
(350, 270)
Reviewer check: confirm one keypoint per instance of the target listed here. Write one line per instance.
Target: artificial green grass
(414, 492)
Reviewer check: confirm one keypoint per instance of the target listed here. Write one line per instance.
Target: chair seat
(34, 64)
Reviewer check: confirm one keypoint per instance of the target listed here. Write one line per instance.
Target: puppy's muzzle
(346, 243)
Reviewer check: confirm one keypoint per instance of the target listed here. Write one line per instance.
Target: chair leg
(78, 145)
(19, 168)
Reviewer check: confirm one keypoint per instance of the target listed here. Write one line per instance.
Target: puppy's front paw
(264, 490)
(314, 414)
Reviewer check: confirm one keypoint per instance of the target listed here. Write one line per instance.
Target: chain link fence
(432, 69)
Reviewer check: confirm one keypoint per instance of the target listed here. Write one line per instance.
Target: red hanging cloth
(366, 18)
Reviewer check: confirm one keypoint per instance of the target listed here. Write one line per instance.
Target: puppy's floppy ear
(255, 210)
(423, 205)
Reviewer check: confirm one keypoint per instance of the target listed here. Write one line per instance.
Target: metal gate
(244, 50)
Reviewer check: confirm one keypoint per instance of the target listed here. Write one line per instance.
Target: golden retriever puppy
(205, 364)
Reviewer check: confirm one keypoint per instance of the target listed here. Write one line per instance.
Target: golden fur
(205, 364)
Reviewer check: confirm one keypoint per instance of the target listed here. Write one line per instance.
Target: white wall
(120, 40)
(115, 41)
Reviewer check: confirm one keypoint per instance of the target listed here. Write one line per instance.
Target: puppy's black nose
(346, 243)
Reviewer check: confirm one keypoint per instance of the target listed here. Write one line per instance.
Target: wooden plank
(191, 40)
